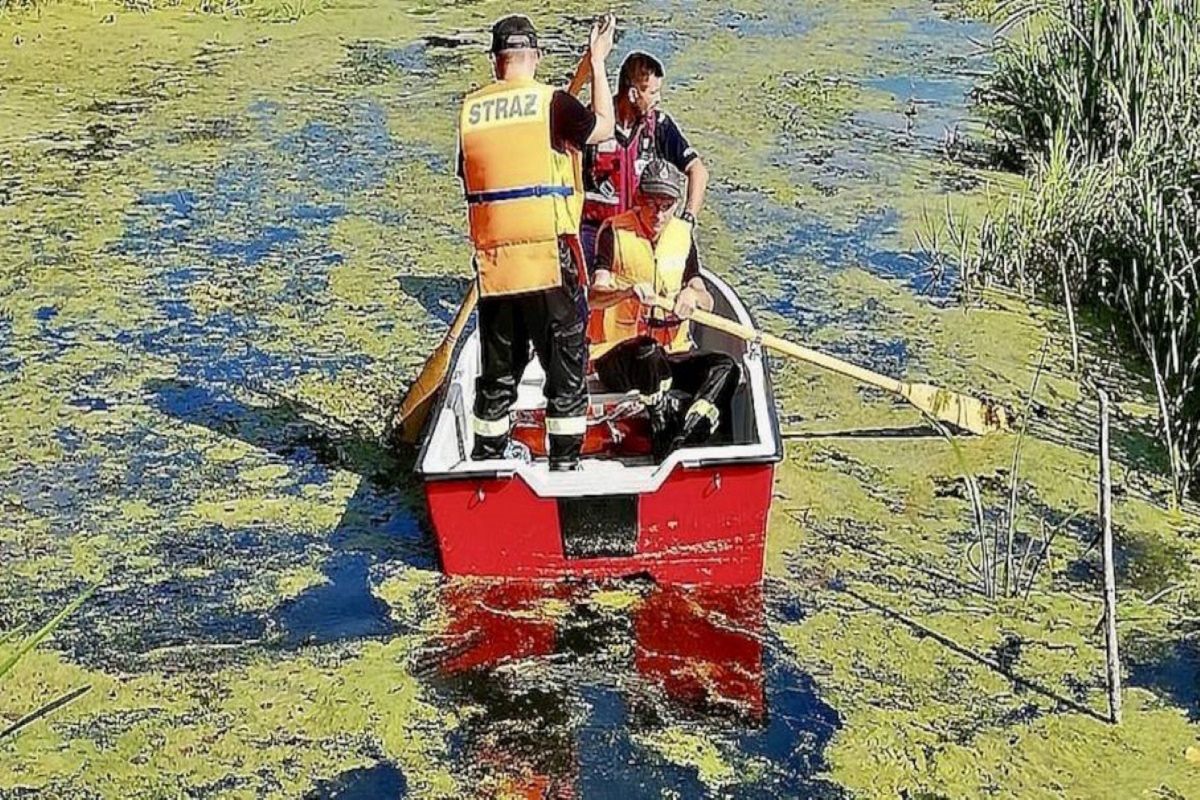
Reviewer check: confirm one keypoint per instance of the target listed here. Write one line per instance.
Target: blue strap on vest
(519, 194)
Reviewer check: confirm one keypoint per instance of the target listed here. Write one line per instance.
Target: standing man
(520, 142)
(644, 252)
(643, 132)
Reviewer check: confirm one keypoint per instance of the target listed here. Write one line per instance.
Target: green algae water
(229, 234)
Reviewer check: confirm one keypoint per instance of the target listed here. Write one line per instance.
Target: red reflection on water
(701, 645)
(673, 652)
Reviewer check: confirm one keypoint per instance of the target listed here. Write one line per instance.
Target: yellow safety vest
(522, 194)
(637, 259)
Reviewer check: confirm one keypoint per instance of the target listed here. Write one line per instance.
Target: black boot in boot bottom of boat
(696, 430)
(665, 417)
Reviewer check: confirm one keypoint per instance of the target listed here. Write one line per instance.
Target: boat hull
(702, 525)
(697, 515)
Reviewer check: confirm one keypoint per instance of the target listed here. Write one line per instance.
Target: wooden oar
(409, 419)
(960, 410)
(406, 423)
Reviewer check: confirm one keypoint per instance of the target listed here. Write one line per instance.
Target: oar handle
(749, 334)
(463, 315)
(583, 71)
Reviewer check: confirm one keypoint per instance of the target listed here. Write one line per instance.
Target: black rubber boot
(565, 452)
(665, 418)
(696, 429)
(487, 447)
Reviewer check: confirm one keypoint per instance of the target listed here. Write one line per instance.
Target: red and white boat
(699, 517)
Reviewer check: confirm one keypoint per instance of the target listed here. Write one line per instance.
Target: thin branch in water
(1044, 555)
(1029, 551)
(973, 567)
(15, 633)
(47, 629)
(997, 541)
(987, 568)
(1010, 586)
(967, 652)
(1160, 389)
(1112, 656)
(1066, 287)
(1161, 594)
(49, 708)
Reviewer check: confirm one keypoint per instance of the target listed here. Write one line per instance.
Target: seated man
(641, 253)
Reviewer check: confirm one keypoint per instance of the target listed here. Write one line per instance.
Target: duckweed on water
(227, 242)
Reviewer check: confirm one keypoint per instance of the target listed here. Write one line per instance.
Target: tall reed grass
(1100, 101)
(13, 648)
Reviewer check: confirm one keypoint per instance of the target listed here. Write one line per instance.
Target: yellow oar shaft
(832, 364)
(745, 332)
(961, 410)
(797, 351)
(428, 381)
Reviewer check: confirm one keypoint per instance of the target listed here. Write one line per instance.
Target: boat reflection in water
(561, 686)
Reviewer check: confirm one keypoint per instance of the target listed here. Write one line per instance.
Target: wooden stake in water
(1110, 581)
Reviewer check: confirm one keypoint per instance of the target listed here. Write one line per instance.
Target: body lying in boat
(618, 455)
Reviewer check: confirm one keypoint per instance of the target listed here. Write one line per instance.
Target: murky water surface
(228, 242)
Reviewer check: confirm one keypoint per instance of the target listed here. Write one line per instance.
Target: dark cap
(661, 178)
(514, 32)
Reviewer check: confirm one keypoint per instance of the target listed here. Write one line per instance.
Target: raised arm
(600, 44)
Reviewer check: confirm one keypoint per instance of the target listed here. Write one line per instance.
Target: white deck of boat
(450, 440)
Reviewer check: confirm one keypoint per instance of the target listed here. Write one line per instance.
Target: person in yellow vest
(519, 159)
(641, 253)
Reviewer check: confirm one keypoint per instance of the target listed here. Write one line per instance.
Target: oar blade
(962, 411)
(407, 422)
(409, 419)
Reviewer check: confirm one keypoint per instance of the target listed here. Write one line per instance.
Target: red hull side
(702, 526)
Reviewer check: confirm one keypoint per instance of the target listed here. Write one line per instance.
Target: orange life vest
(637, 259)
(522, 194)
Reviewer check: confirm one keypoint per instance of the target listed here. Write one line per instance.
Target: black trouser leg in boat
(641, 365)
(710, 379)
(553, 321)
(558, 327)
(504, 353)
(638, 364)
(693, 389)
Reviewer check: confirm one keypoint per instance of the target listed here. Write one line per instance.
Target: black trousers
(554, 322)
(641, 364)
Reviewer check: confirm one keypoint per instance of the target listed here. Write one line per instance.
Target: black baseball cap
(514, 32)
(661, 178)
